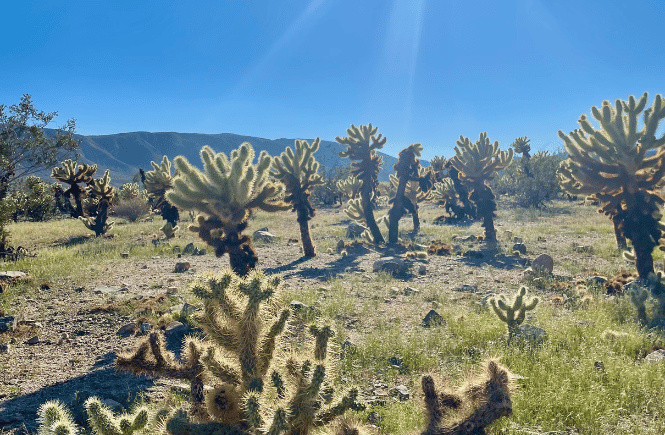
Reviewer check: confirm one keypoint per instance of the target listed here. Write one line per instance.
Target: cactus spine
(105, 422)
(362, 145)
(223, 196)
(513, 313)
(299, 172)
(350, 186)
(104, 191)
(55, 419)
(408, 171)
(73, 174)
(157, 182)
(477, 164)
(623, 167)
(489, 400)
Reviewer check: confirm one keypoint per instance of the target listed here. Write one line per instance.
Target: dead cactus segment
(487, 398)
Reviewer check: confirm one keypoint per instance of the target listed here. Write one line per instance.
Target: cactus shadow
(105, 383)
(71, 241)
(328, 270)
(499, 261)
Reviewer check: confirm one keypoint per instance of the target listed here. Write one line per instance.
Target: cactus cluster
(74, 175)
(438, 165)
(488, 399)
(224, 195)
(252, 386)
(622, 167)
(350, 186)
(299, 172)
(101, 188)
(477, 164)
(362, 144)
(419, 182)
(513, 312)
(156, 182)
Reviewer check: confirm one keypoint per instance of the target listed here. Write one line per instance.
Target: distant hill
(124, 153)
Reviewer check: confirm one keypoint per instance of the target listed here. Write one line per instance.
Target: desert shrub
(329, 193)
(131, 209)
(535, 189)
(34, 200)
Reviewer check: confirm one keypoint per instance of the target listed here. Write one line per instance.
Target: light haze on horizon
(422, 71)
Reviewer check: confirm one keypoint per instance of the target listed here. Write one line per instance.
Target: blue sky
(422, 71)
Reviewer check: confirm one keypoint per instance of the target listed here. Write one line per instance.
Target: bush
(536, 188)
(328, 193)
(34, 200)
(131, 209)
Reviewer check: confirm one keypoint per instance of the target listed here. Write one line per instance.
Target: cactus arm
(268, 345)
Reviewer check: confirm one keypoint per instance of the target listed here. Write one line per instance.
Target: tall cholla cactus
(409, 174)
(350, 186)
(250, 389)
(104, 191)
(477, 164)
(487, 399)
(362, 145)
(623, 167)
(354, 210)
(521, 146)
(224, 196)
(446, 196)
(299, 173)
(413, 192)
(73, 174)
(438, 166)
(156, 183)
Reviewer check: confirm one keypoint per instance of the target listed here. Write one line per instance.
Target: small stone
(508, 234)
(517, 240)
(408, 291)
(105, 290)
(4, 347)
(155, 257)
(340, 246)
(33, 340)
(189, 249)
(12, 274)
(182, 266)
(530, 333)
(432, 319)
(519, 247)
(466, 288)
(655, 356)
(599, 366)
(126, 330)
(354, 230)
(422, 269)
(394, 290)
(7, 323)
(145, 327)
(297, 305)
(176, 249)
(374, 417)
(187, 310)
(543, 263)
(115, 406)
(124, 254)
(389, 264)
(46, 286)
(401, 391)
(203, 251)
(263, 236)
(171, 290)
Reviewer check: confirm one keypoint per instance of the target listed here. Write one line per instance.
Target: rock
(115, 406)
(432, 319)
(374, 417)
(543, 263)
(466, 288)
(583, 249)
(599, 366)
(596, 280)
(175, 333)
(13, 419)
(124, 254)
(655, 356)
(203, 251)
(182, 266)
(297, 305)
(189, 249)
(408, 291)
(145, 327)
(105, 290)
(340, 246)
(517, 239)
(4, 347)
(126, 330)
(171, 290)
(12, 274)
(531, 333)
(401, 391)
(355, 230)
(264, 229)
(422, 269)
(186, 310)
(32, 340)
(519, 247)
(389, 264)
(7, 323)
(263, 236)
(176, 249)
(468, 239)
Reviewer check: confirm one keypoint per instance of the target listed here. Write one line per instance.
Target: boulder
(530, 333)
(263, 236)
(355, 230)
(432, 319)
(182, 266)
(390, 264)
(519, 247)
(543, 263)
(655, 356)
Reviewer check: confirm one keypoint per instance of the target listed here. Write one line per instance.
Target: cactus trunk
(303, 221)
(485, 201)
(368, 208)
(396, 211)
(241, 254)
(641, 228)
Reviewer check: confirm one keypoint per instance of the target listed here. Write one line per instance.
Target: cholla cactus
(623, 167)
(104, 422)
(350, 186)
(445, 195)
(641, 290)
(250, 388)
(438, 166)
(103, 190)
(55, 419)
(488, 399)
(224, 196)
(157, 182)
(354, 210)
(73, 174)
(362, 145)
(408, 174)
(299, 173)
(521, 146)
(513, 312)
(477, 164)
(130, 191)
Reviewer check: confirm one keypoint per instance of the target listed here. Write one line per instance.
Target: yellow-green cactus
(362, 144)
(223, 196)
(73, 174)
(513, 312)
(477, 164)
(438, 166)
(623, 167)
(350, 186)
(104, 422)
(354, 210)
(102, 189)
(157, 182)
(55, 419)
(299, 172)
